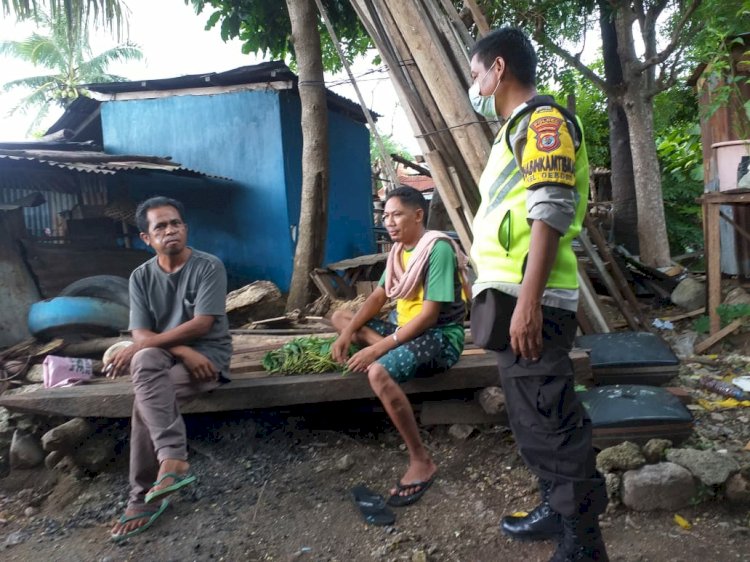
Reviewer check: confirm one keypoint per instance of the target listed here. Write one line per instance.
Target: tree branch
(666, 81)
(675, 39)
(575, 62)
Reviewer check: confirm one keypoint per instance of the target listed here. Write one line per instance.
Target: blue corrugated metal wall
(350, 223)
(236, 135)
(253, 137)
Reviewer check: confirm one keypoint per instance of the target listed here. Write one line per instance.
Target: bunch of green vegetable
(305, 355)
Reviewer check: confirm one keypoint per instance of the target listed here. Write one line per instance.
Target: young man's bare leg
(397, 405)
(364, 336)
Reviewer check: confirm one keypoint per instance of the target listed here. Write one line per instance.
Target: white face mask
(484, 105)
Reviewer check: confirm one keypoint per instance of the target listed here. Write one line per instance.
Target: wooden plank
(448, 194)
(607, 279)
(691, 314)
(115, 399)
(622, 283)
(590, 302)
(703, 346)
(448, 412)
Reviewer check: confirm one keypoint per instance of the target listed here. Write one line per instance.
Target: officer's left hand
(526, 331)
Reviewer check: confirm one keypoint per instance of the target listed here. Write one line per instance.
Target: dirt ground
(272, 487)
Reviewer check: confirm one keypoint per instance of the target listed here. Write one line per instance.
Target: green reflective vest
(501, 231)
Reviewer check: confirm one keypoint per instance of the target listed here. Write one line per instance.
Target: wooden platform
(251, 388)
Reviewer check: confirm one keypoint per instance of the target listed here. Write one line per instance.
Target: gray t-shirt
(160, 301)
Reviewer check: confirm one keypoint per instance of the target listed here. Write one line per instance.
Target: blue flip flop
(150, 515)
(397, 500)
(180, 481)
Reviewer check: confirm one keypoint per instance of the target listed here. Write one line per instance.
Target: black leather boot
(581, 541)
(543, 523)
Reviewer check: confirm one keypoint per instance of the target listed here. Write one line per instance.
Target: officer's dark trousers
(551, 427)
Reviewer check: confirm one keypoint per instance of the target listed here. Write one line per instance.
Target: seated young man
(425, 274)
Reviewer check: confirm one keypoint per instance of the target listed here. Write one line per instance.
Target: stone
(16, 538)
(25, 451)
(652, 487)
(613, 482)
(737, 488)
(738, 295)
(625, 456)
(689, 294)
(53, 458)
(94, 454)
(461, 431)
(709, 467)
(67, 436)
(30, 511)
(345, 463)
(35, 374)
(491, 399)
(654, 450)
(419, 556)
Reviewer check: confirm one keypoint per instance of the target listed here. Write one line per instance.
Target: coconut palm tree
(108, 13)
(64, 52)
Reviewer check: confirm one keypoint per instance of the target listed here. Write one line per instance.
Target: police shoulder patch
(549, 155)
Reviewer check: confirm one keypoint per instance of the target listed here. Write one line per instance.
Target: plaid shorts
(425, 355)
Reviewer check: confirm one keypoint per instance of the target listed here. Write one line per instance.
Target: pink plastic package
(66, 371)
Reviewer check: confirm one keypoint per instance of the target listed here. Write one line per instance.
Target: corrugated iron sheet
(109, 167)
(47, 216)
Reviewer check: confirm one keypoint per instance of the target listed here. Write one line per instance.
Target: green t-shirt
(441, 284)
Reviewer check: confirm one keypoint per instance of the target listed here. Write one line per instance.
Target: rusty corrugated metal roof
(99, 162)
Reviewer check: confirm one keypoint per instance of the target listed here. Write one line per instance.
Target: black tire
(111, 288)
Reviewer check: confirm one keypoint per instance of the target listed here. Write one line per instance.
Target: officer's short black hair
(410, 197)
(141, 218)
(514, 47)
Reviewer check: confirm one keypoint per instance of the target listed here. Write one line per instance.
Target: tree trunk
(625, 212)
(313, 220)
(639, 110)
(652, 226)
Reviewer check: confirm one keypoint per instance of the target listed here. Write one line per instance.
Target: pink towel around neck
(400, 283)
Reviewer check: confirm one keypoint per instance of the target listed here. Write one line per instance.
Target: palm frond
(110, 14)
(120, 53)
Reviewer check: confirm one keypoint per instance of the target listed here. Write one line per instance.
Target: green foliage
(725, 24)
(591, 108)
(681, 158)
(264, 27)
(392, 146)
(65, 55)
(306, 355)
(727, 313)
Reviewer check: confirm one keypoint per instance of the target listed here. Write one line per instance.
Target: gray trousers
(157, 429)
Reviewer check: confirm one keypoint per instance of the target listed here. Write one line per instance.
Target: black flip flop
(372, 506)
(397, 500)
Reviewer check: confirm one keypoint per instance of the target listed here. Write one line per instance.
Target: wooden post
(713, 262)
(478, 15)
